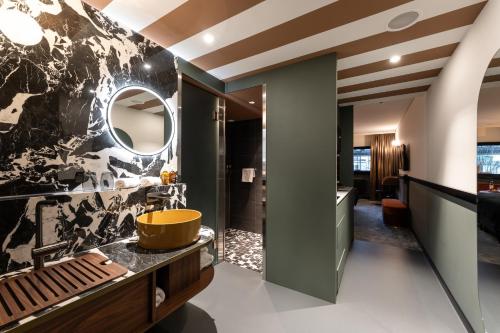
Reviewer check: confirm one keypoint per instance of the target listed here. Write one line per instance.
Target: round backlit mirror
(140, 120)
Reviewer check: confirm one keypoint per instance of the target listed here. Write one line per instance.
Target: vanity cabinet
(122, 310)
(130, 307)
(345, 233)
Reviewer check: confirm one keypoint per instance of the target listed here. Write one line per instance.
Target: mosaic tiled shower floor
(244, 248)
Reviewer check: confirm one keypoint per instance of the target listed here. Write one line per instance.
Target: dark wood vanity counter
(127, 303)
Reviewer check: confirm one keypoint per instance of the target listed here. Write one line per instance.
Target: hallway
(369, 226)
(385, 289)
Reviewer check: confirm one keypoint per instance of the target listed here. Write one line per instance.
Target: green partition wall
(301, 174)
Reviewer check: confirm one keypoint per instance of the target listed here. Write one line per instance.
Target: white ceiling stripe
(258, 18)
(385, 99)
(390, 87)
(353, 31)
(393, 72)
(139, 14)
(415, 45)
(283, 53)
(492, 71)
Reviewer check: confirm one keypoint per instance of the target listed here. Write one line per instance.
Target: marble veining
(53, 98)
(127, 253)
(86, 220)
(53, 131)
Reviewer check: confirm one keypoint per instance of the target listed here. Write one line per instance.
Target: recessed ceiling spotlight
(395, 59)
(403, 21)
(147, 66)
(208, 38)
(251, 102)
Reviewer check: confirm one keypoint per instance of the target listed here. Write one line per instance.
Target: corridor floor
(384, 289)
(369, 226)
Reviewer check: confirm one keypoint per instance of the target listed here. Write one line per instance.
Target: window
(362, 159)
(488, 158)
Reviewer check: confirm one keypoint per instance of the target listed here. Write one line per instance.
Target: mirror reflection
(488, 208)
(140, 120)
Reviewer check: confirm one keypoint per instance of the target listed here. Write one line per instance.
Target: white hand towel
(160, 296)
(206, 258)
(126, 183)
(150, 181)
(247, 175)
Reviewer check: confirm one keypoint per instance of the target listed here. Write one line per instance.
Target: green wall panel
(301, 174)
(447, 229)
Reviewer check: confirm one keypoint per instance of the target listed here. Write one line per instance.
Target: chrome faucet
(39, 252)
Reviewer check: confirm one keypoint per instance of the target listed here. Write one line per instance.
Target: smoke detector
(403, 20)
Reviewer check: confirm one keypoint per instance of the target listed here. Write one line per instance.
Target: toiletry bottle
(165, 177)
(172, 177)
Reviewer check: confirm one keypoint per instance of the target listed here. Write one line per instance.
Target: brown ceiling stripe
(147, 105)
(192, 17)
(495, 63)
(384, 94)
(323, 19)
(492, 78)
(98, 4)
(392, 80)
(451, 20)
(440, 23)
(408, 59)
(129, 93)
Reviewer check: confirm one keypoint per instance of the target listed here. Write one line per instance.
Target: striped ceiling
(251, 36)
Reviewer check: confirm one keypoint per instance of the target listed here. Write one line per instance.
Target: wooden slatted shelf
(28, 293)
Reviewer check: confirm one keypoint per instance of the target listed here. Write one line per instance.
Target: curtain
(385, 161)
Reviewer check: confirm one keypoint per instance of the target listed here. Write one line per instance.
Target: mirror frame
(112, 130)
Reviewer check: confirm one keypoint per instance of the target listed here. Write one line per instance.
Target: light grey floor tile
(385, 289)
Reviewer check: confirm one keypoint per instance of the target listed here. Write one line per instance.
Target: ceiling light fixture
(147, 66)
(251, 102)
(395, 59)
(19, 27)
(403, 20)
(208, 38)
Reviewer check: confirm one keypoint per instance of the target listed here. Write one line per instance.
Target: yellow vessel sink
(168, 229)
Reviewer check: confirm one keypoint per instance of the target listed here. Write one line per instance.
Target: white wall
(412, 132)
(145, 129)
(452, 104)
(443, 131)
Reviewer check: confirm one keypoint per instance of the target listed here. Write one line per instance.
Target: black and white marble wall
(53, 130)
(54, 95)
(86, 220)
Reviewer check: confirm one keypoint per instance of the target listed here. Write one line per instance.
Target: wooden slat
(23, 299)
(32, 292)
(90, 271)
(37, 280)
(11, 303)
